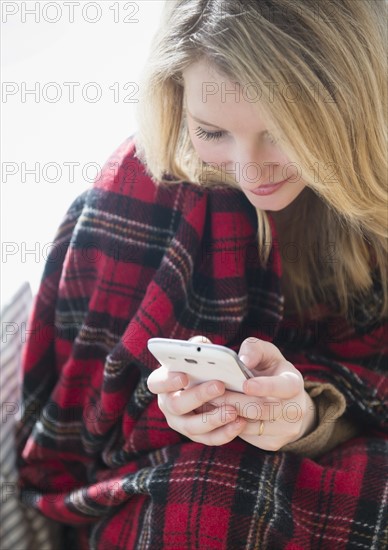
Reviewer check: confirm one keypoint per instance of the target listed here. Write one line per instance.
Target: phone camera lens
(198, 349)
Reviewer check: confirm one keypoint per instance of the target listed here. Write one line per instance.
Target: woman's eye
(208, 136)
(202, 134)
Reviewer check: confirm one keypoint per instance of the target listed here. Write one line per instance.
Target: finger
(184, 401)
(265, 429)
(250, 406)
(221, 435)
(200, 339)
(225, 434)
(162, 380)
(256, 353)
(283, 386)
(271, 436)
(198, 424)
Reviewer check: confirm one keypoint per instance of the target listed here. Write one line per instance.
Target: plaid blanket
(131, 261)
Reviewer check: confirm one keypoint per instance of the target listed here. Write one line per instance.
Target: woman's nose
(252, 164)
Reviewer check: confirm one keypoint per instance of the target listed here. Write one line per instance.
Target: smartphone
(201, 362)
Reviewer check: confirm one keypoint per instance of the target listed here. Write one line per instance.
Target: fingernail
(177, 381)
(212, 389)
(245, 359)
(200, 339)
(253, 385)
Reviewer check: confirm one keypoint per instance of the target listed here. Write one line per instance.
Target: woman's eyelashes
(207, 136)
(215, 136)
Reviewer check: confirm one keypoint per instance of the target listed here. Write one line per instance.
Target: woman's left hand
(274, 402)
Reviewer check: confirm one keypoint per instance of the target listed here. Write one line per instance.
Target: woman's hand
(274, 410)
(275, 404)
(186, 410)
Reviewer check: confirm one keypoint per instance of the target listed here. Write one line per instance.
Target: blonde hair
(335, 55)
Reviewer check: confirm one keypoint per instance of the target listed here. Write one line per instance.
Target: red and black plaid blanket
(131, 261)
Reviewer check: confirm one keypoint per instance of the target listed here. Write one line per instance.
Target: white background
(35, 52)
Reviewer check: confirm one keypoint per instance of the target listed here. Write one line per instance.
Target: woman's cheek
(208, 152)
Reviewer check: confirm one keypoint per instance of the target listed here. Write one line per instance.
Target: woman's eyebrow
(214, 125)
(203, 121)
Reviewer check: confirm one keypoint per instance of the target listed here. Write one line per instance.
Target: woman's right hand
(190, 412)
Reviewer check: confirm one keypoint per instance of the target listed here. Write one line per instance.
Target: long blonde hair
(331, 120)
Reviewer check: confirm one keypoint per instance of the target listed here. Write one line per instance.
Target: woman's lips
(268, 189)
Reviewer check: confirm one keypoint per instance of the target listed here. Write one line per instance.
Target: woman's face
(225, 129)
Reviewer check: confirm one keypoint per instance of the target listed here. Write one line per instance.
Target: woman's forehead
(213, 99)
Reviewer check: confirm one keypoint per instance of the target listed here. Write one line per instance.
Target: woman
(183, 236)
